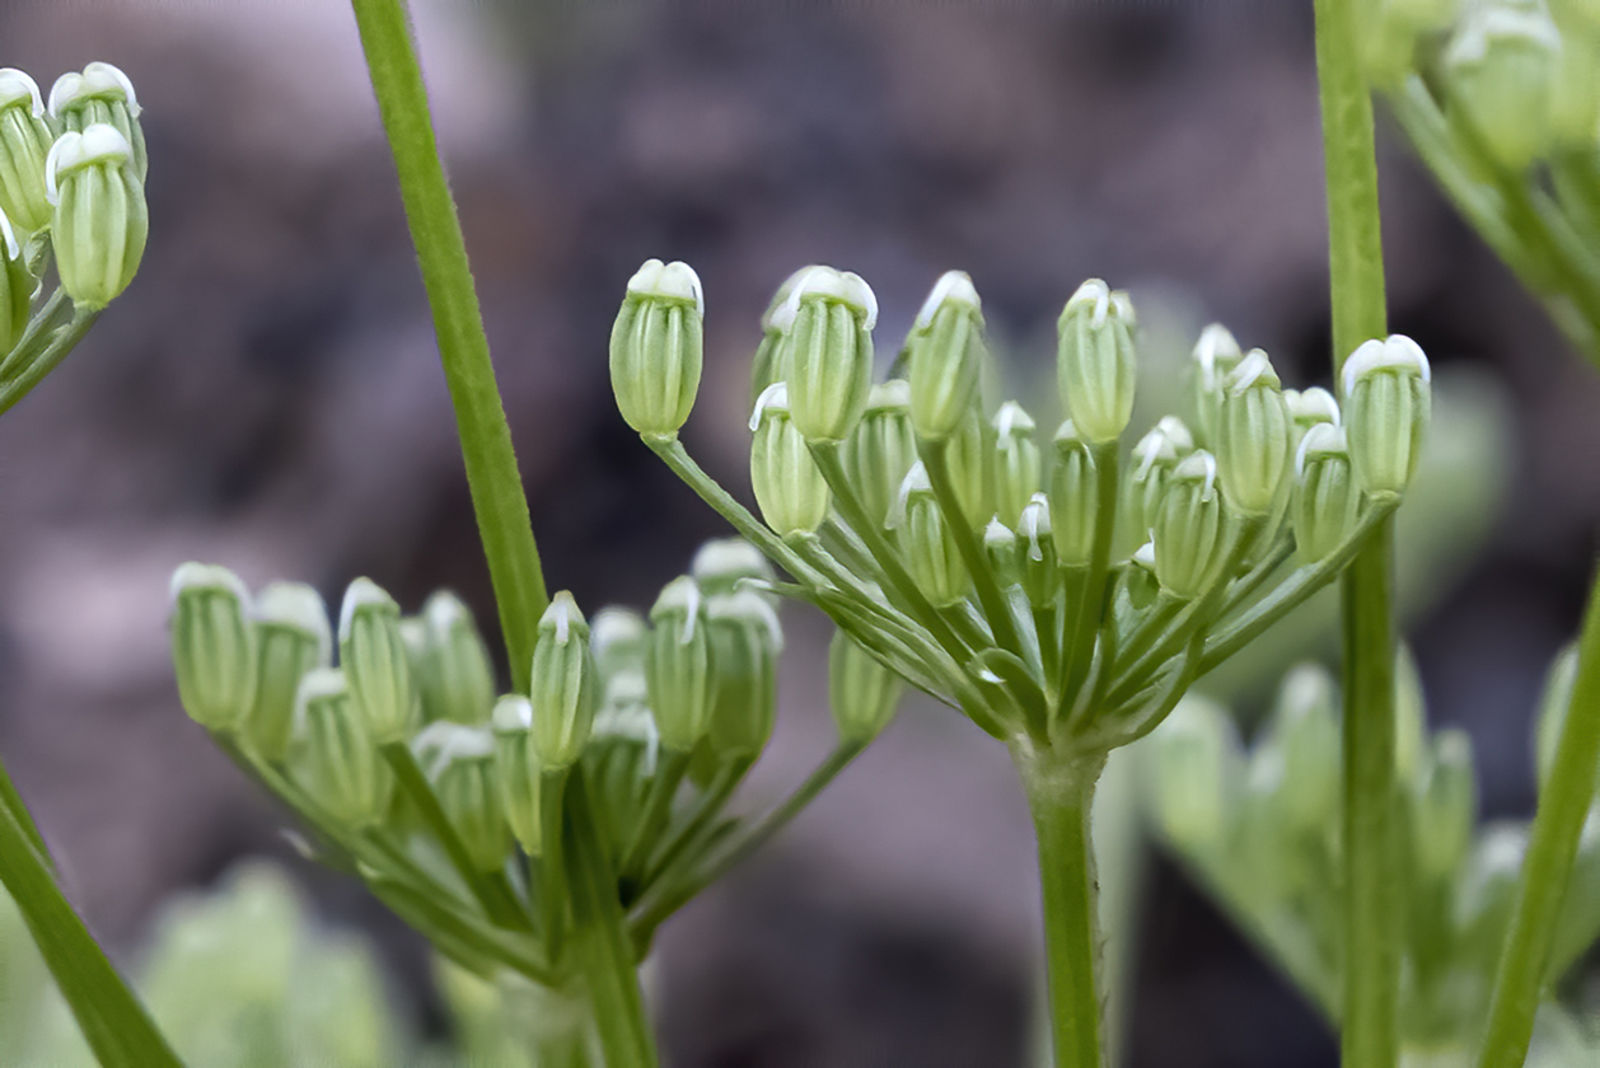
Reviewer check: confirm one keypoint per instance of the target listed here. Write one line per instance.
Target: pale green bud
(1307, 408)
(101, 222)
(1142, 584)
(617, 638)
(1215, 356)
(946, 350)
(1000, 546)
(723, 565)
(1197, 766)
(827, 321)
(745, 641)
(678, 666)
(1305, 730)
(1326, 499)
(1500, 65)
(1444, 808)
(336, 757)
(456, 675)
(1036, 552)
(1575, 107)
(1189, 528)
(969, 456)
(862, 693)
(1095, 365)
(375, 662)
(292, 637)
(1016, 461)
(562, 686)
(517, 769)
(25, 139)
(459, 761)
(100, 93)
(1387, 402)
(1554, 701)
(767, 367)
(1149, 468)
(928, 543)
(1073, 497)
(882, 448)
(656, 347)
(213, 645)
(1253, 439)
(16, 288)
(789, 487)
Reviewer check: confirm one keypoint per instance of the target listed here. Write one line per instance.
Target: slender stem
(30, 374)
(1373, 886)
(935, 460)
(657, 810)
(11, 801)
(1061, 797)
(1546, 872)
(1086, 613)
(491, 463)
(692, 830)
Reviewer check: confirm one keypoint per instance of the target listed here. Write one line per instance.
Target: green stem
(491, 463)
(1564, 805)
(11, 801)
(692, 830)
(1085, 614)
(1061, 798)
(935, 460)
(657, 811)
(32, 372)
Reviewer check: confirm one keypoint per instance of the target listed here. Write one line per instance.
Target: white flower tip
(728, 556)
(773, 400)
(319, 684)
(682, 594)
(1067, 433)
(99, 142)
(998, 533)
(360, 594)
(1034, 525)
(1011, 421)
(1200, 466)
(1145, 555)
(444, 742)
(674, 281)
(916, 481)
(1323, 439)
(780, 298)
(1176, 431)
(952, 285)
(1314, 405)
(17, 86)
(614, 624)
(444, 610)
(747, 606)
(513, 713)
(1215, 348)
(1491, 24)
(1254, 369)
(563, 615)
(1396, 353)
(893, 395)
(297, 605)
(97, 79)
(1093, 294)
(197, 576)
(846, 287)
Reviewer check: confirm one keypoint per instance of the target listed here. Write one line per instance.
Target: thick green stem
(1373, 904)
(1061, 798)
(492, 476)
(1552, 845)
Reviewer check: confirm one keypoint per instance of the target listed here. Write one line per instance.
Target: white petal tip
(951, 286)
(674, 281)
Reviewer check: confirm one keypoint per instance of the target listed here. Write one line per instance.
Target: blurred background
(268, 396)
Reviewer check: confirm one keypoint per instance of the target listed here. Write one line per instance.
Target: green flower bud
(1189, 528)
(336, 757)
(25, 139)
(656, 347)
(882, 448)
(1325, 501)
(1307, 408)
(460, 763)
(1305, 732)
(101, 221)
(456, 676)
(1145, 484)
(862, 693)
(1575, 104)
(946, 352)
(929, 545)
(827, 322)
(789, 487)
(101, 93)
(1000, 546)
(723, 564)
(745, 642)
(1197, 766)
(1253, 439)
(678, 666)
(1142, 584)
(1095, 365)
(1444, 808)
(1387, 401)
(376, 665)
(1215, 356)
(1500, 65)
(1073, 498)
(563, 684)
(1036, 552)
(1556, 699)
(1016, 461)
(969, 455)
(213, 646)
(617, 639)
(16, 288)
(517, 769)
(292, 637)
(767, 367)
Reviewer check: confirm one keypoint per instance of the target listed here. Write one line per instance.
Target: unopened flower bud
(1326, 499)
(929, 545)
(969, 458)
(563, 684)
(455, 675)
(375, 662)
(1142, 584)
(1095, 366)
(100, 93)
(1197, 768)
(678, 669)
(1308, 407)
(1000, 546)
(100, 221)
(745, 642)
(1305, 730)
(292, 637)
(617, 638)
(1444, 808)
(1016, 461)
(1073, 498)
(336, 757)
(213, 646)
(517, 769)
(656, 347)
(16, 288)
(1215, 356)
(1500, 66)
(862, 693)
(723, 565)
(882, 448)
(1387, 402)
(1149, 468)
(789, 487)
(767, 367)
(25, 139)
(1554, 702)
(460, 763)
(827, 351)
(1036, 552)
(1189, 528)
(946, 350)
(1253, 439)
